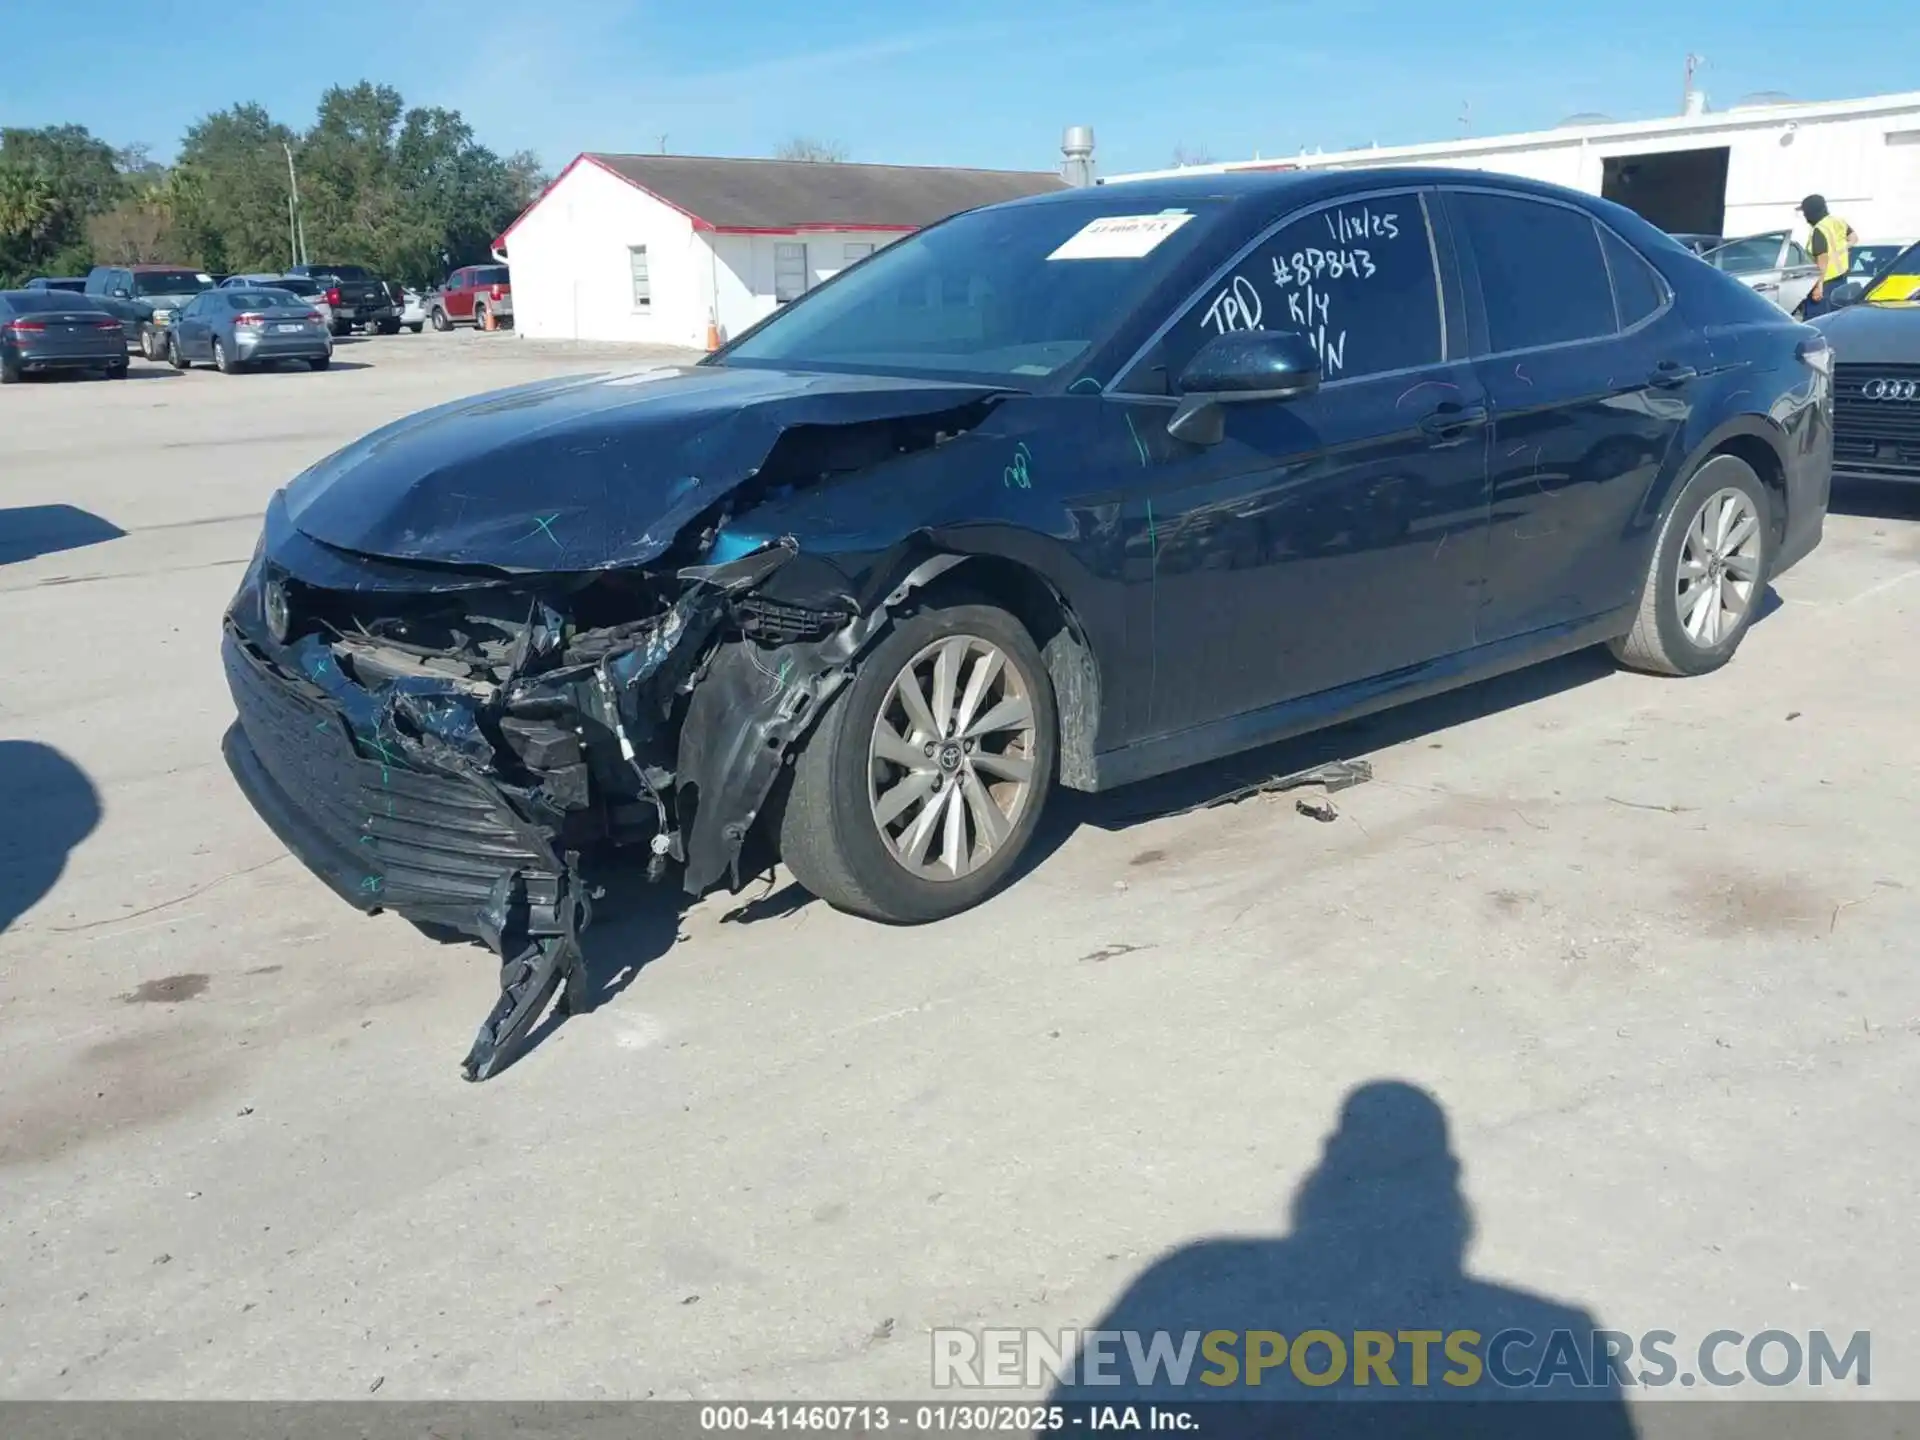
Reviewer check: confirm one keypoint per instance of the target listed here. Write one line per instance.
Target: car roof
(1299, 186)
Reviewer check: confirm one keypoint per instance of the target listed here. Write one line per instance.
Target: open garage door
(1681, 191)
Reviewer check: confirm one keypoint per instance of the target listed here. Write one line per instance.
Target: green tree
(228, 191)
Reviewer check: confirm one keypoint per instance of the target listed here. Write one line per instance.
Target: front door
(1589, 368)
(1329, 538)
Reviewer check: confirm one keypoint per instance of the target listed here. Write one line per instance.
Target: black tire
(174, 356)
(1659, 643)
(339, 328)
(387, 327)
(827, 833)
(417, 326)
(479, 317)
(319, 362)
(9, 374)
(222, 361)
(116, 372)
(440, 320)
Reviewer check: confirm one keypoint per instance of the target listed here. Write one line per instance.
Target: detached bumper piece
(440, 848)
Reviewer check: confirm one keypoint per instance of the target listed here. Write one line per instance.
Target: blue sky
(978, 82)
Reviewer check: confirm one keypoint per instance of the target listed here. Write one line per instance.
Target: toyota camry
(1066, 492)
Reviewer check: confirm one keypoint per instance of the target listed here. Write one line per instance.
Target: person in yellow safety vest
(1829, 246)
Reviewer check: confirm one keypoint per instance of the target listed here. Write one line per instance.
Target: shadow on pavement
(1374, 1263)
(27, 531)
(51, 808)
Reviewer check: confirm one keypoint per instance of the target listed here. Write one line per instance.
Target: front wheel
(440, 320)
(1707, 576)
(924, 782)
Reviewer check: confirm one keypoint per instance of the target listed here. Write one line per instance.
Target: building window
(857, 252)
(642, 286)
(789, 272)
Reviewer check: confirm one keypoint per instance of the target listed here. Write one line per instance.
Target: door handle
(1670, 374)
(1450, 422)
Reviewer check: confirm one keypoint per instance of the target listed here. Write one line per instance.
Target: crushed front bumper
(436, 848)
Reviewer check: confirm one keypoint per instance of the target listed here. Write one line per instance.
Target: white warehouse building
(681, 249)
(1730, 172)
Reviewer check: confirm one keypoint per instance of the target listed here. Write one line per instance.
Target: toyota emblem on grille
(1891, 389)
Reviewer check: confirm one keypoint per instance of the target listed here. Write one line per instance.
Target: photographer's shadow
(1378, 1243)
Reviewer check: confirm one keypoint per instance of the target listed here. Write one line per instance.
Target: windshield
(1743, 257)
(170, 282)
(263, 300)
(1013, 293)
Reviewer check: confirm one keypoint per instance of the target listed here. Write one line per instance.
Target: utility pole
(296, 228)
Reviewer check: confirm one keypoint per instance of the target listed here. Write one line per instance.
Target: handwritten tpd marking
(1017, 472)
(1235, 308)
(1140, 446)
(1362, 224)
(543, 525)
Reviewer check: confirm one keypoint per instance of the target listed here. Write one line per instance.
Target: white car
(1774, 264)
(413, 310)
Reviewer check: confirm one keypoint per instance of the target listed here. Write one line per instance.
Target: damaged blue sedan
(1066, 492)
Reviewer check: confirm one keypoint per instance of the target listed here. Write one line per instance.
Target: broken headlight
(276, 609)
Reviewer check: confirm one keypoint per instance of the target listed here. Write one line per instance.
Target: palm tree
(28, 207)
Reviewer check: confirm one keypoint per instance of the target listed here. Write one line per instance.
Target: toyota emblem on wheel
(1891, 389)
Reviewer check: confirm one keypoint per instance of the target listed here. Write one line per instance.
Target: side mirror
(1239, 366)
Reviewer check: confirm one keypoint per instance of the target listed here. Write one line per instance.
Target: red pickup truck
(473, 295)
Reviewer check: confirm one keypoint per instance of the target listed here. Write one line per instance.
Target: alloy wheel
(1719, 569)
(950, 766)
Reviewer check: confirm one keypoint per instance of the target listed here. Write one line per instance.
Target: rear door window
(1638, 290)
(1542, 275)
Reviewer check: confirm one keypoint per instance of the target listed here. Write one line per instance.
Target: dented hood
(584, 473)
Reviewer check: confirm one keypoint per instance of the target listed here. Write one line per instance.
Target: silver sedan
(237, 329)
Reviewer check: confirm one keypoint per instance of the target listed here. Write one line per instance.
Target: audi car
(1061, 493)
(1876, 376)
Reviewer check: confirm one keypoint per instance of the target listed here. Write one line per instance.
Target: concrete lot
(1648, 943)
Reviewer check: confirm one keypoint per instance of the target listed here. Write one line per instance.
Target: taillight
(495, 292)
(25, 327)
(109, 325)
(250, 321)
(333, 297)
(313, 317)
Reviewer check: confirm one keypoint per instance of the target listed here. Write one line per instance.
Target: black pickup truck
(357, 297)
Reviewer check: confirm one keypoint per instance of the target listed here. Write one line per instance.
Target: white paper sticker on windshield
(1119, 237)
(204, 279)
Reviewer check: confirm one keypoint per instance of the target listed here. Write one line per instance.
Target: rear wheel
(480, 320)
(388, 327)
(9, 373)
(225, 363)
(416, 326)
(319, 362)
(174, 356)
(117, 372)
(916, 794)
(1707, 576)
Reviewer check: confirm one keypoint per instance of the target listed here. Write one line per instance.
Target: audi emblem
(1891, 389)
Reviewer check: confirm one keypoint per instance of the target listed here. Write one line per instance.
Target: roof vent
(1077, 146)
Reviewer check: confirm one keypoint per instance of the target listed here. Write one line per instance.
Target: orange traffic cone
(488, 321)
(713, 334)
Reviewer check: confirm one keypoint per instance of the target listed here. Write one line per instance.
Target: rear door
(1589, 370)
